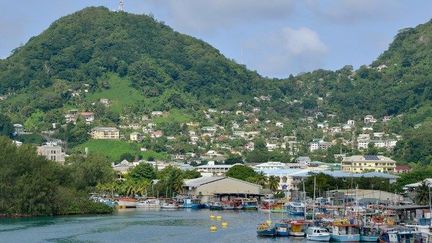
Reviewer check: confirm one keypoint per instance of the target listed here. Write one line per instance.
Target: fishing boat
(282, 229)
(277, 208)
(297, 228)
(249, 204)
(215, 206)
(193, 203)
(295, 209)
(317, 234)
(266, 230)
(149, 203)
(343, 231)
(169, 205)
(401, 236)
(228, 205)
(126, 202)
(369, 234)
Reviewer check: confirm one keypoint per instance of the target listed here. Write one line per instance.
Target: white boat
(295, 208)
(149, 203)
(318, 234)
(169, 205)
(127, 203)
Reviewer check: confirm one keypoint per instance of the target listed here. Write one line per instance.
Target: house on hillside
(136, 136)
(52, 151)
(105, 133)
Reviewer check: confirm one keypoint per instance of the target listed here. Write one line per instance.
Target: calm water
(137, 225)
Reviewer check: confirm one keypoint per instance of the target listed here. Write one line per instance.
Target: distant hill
(82, 47)
(147, 64)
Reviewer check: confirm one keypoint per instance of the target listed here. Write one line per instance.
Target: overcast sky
(274, 37)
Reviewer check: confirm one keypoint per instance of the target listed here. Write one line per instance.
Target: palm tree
(273, 183)
(422, 194)
(141, 187)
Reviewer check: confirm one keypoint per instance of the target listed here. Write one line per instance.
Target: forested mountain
(144, 65)
(82, 47)
(179, 71)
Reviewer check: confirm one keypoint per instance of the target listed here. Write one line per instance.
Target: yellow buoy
(218, 217)
(224, 224)
(212, 216)
(213, 228)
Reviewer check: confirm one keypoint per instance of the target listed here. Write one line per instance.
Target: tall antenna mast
(121, 6)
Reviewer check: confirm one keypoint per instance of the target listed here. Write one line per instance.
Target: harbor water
(139, 225)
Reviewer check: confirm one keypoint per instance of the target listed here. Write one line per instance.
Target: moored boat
(295, 208)
(149, 203)
(193, 203)
(249, 204)
(401, 236)
(126, 202)
(297, 228)
(345, 232)
(317, 234)
(266, 230)
(216, 206)
(369, 234)
(282, 229)
(169, 205)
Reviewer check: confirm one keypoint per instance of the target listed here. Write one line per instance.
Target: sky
(274, 37)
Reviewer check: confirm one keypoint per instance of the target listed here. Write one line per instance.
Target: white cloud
(201, 15)
(287, 51)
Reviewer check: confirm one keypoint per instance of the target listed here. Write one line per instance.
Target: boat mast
(304, 200)
(313, 203)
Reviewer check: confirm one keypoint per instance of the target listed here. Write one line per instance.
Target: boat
(149, 203)
(215, 206)
(169, 205)
(249, 204)
(126, 202)
(228, 205)
(295, 209)
(193, 203)
(297, 228)
(266, 230)
(369, 234)
(317, 234)
(343, 231)
(401, 236)
(282, 229)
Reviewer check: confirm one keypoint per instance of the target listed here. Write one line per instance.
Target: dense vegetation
(32, 185)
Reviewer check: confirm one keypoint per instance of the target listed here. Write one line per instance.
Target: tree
(89, 171)
(241, 172)
(6, 127)
(234, 159)
(422, 194)
(142, 171)
(273, 183)
(127, 156)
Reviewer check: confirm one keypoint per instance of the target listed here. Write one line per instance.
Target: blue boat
(192, 203)
(266, 230)
(401, 236)
(345, 233)
(282, 229)
(249, 204)
(295, 208)
(369, 234)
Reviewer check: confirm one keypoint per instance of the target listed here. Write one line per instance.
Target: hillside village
(221, 138)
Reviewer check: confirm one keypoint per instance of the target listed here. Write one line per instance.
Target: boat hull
(346, 238)
(282, 230)
(297, 234)
(321, 238)
(364, 238)
(266, 233)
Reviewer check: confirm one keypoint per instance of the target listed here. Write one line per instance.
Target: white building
(211, 169)
(318, 144)
(52, 151)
